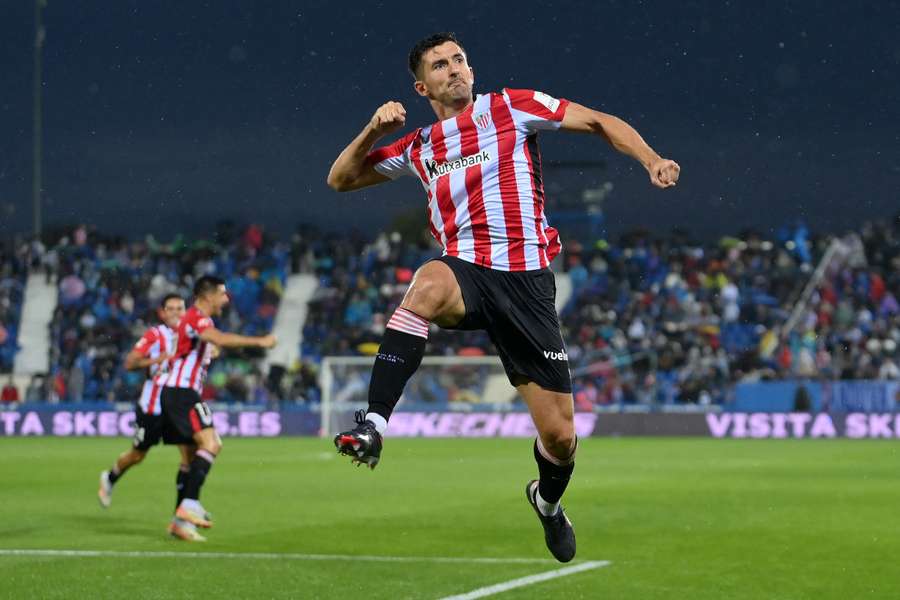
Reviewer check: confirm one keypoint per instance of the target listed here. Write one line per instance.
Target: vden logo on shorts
(435, 169)
(553, 355)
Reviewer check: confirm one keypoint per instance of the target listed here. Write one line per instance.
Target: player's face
(218, 299)
(445, 75)
(172, 311)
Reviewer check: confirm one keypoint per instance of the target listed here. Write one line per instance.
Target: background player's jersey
(482, 173)
(155, 342)
(192, 355)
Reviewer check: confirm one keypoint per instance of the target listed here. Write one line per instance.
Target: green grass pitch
(677, 518)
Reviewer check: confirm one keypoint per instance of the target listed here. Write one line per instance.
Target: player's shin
(114, 473)
(399, 355)
(190, 509)
(125, 461)
(181, 482)
(554, 477)
(199, 469)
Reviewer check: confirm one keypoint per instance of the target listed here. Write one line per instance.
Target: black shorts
(147, 430)
(184, 414)
(517, 310)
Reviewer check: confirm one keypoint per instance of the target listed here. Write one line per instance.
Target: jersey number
(204, 413)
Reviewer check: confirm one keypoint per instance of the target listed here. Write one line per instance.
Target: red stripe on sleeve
(524, 100)
(392, 150)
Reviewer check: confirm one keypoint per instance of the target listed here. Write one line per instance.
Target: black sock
(114, 475)
(200, 467)
(398, 358)
(181, 483)
(553, 477)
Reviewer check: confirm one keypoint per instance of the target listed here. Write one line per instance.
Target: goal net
(448, 395)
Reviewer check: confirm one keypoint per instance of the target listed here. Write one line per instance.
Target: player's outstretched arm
(135, 360)
(623, 137)
(234, 340)
(351, 171)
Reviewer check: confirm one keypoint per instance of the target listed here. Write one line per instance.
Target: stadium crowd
(109, 289)
(650, 320)
(360, 286)
(689, 320)
(657, 320)
(850, 329)
(15, 260)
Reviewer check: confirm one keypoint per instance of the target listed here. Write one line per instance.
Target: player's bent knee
(210, 449)
(214, 448)
(559, 441)
(425, 298)
(208, 440)
(433, 292)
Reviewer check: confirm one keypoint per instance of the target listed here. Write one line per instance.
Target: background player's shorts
(517, 310)
(147, 430)
(184, 414)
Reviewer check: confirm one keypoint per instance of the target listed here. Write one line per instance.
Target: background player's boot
(184, 531)
(558, 532)
(193, 513)
(362, 443)
(104, 494)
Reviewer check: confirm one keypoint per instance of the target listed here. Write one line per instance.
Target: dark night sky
(166, 116)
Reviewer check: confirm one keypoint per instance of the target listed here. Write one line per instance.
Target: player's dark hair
(168, 297)
(426, 44)
(207, 284)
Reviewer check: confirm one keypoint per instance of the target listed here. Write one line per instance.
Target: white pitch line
(268, 556)
(529, 580)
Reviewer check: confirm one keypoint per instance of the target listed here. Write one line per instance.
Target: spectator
(108, 288)
(10, 393)
(36, 390)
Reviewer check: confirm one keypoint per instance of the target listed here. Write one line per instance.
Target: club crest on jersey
(482, 120)
(436, 169)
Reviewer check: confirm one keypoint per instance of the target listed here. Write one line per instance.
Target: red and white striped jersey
(155, 342)
(187, 368)
(482, 173)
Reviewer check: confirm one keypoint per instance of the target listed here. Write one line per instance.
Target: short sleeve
(146, 342)
(535, 111)
(201, 323)
(393, 160)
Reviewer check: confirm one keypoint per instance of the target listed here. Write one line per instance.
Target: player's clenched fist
(268, 341)
(389, 117)
(664, 173)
